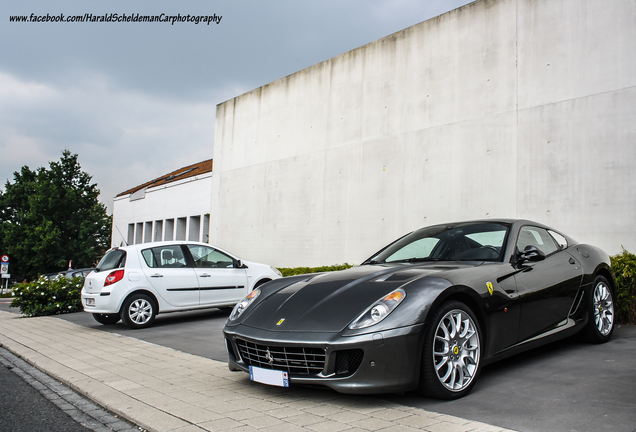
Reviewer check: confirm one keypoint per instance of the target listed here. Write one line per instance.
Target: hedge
(293, 271)
(48, 296)
(624, 268)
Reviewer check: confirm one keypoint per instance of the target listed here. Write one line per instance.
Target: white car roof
(140, 246)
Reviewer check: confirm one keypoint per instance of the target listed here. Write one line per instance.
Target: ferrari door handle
(572, 261)
(205, 275)
(156, 275)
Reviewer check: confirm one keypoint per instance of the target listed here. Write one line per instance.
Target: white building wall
(167, 212)
(501, 108)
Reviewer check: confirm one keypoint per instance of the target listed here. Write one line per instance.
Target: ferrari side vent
(348, 361)
(297, 361)
(230, 350)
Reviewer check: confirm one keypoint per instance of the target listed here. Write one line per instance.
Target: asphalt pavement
(194, 332)
(566, 386)
(32, 401)
(563, 387)
(24, 408)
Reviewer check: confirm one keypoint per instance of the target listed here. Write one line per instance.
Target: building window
(148, 232)
(158, 231)
(168, 233)
(194, 232)
(139, 232)
(131, 234)
(181, 228)
(205, 238)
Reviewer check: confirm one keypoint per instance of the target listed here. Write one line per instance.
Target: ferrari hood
(328, 302)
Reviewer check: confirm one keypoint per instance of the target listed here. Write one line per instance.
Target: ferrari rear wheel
(600, 324)
(451, 354)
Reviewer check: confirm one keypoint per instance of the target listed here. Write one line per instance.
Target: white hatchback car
(135, 283)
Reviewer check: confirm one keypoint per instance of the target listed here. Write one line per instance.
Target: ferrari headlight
(379, 310)
(244, 304)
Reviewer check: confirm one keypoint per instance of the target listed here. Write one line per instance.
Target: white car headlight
(240, 307)
(275, 270)
(379, 310)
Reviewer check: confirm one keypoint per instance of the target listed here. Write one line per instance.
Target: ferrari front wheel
(451, 352)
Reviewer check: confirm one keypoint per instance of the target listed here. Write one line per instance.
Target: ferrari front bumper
(381, 362)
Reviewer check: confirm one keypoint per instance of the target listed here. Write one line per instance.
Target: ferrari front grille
(293, 360)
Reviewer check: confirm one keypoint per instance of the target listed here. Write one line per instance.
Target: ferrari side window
(539, 237)
(563, 243)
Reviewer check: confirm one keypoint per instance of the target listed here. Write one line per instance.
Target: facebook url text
(117, 18)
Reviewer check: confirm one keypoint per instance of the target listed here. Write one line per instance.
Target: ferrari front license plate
(90, 302)
(268, 376)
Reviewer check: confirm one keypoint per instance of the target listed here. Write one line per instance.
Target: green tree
(51, 216)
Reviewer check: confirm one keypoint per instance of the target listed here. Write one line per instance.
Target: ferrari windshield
(468, 241)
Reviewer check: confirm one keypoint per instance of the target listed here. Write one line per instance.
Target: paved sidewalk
(161, 389)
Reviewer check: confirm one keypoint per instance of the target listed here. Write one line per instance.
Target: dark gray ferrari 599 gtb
(426, 312)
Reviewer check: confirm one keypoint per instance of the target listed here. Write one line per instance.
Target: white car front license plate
(269, 376)
(90, 302)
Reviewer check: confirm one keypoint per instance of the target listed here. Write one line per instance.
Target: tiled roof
(180, 174)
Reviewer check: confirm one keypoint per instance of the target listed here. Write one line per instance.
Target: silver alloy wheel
(140, 311)
(456, 350)
(603, 308)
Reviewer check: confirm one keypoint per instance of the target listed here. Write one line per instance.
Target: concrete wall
(501, 108)
(175, 211)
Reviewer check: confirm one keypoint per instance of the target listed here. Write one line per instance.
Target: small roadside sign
(4, 268)
(4, 258)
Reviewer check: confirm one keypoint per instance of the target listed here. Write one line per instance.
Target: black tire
(106, 319)
(600, 306)
(138, 311)
(451, 356)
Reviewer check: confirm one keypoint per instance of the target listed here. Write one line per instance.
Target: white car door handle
(205, 275)
(156, 275)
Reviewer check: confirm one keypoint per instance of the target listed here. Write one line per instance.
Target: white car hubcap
(140, 311)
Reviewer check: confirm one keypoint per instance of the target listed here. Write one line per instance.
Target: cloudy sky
(137, 100)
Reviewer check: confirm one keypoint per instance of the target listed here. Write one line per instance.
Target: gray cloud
(137, 100)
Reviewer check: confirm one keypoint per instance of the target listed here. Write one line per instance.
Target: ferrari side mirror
(531, 253)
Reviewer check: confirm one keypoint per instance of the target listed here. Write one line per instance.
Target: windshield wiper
(412, 260)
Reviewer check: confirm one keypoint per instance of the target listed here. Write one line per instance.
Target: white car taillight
(114, 276)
